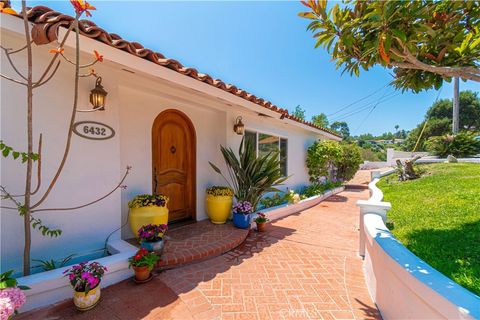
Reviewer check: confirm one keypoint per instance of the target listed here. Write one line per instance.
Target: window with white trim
(266, 143)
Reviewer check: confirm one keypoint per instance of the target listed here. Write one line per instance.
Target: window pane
(267, 144)
(251, 137)
(283, 156)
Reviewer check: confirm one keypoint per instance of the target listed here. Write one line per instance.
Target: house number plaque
(93, 130)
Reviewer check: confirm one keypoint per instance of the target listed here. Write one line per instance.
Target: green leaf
(15, 154)
(217, 170)
(6, 151)
(399, 34)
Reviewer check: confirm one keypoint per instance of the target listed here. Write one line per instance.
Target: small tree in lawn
(29, 203)
(425, 42)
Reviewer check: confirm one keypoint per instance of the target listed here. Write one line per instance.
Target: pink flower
(11, 299)
(85, 275)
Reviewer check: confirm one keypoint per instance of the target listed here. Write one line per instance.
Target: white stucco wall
(94, 167)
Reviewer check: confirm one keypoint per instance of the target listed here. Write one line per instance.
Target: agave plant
(251, 176)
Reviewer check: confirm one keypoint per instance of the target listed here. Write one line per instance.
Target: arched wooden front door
(173, 162)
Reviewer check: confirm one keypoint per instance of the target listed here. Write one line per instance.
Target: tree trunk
(406, 171)
(28, 179)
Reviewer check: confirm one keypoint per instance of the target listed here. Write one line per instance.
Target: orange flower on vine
(98, 56)
(57, 50)
(81, 6)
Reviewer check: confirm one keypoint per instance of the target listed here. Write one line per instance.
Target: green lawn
(437, 217)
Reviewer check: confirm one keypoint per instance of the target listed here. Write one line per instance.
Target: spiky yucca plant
(251, 176)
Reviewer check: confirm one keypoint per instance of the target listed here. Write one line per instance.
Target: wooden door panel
(173, 153)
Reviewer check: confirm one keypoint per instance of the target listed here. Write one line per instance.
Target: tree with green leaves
(299, 112)
(320, 120)
(424, 42)
(342, 128)
(439, 119)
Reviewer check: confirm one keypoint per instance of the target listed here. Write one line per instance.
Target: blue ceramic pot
(241, 221)
(152, 246)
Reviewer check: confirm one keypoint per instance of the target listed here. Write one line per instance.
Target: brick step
(199, 241)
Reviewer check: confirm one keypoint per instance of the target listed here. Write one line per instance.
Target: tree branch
(80, 66)
(61, 45)
(72, 119)
(411, 62)
(38, 84)
(13, 80)
(7, 54)
(119, 185)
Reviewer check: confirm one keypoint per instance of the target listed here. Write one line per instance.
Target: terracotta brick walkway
(304, 267)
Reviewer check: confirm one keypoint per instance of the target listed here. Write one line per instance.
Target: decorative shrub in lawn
(437, 217)
(463, 144)
(332, 160)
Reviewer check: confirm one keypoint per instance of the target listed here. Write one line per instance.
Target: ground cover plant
(437, 217)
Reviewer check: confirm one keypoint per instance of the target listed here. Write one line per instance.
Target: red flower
(81, 6)
(137, 257)
(98, 56)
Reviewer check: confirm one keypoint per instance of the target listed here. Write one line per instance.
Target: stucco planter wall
(402, 285)
(282, 211)
(52, 286)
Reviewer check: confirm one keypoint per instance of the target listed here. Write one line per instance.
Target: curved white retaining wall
(402, 285)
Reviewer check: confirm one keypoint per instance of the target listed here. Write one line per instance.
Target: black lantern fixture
(239, 127)
(98, 95)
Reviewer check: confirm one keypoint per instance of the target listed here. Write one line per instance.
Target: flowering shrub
(261, 217)
(152, 232)
(243, 207)
(11, 299)
(143, 258)
(220, 191)
(85, 276)
(147, 200)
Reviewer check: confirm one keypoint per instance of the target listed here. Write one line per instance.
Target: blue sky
(264, 48)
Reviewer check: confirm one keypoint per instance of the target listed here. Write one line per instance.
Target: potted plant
(151, 236)
(261, 221)
(241, 214)
(219, 203)
(85, 279)
(142, 264)
(147, 209)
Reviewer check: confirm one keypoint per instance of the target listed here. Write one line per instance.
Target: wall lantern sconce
(98, 95)
(239, 127)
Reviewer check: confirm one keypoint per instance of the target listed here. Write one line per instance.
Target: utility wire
(370, 112)
(366, 107)
(357, 101)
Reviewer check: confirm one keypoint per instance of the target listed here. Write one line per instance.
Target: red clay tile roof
(48, 21)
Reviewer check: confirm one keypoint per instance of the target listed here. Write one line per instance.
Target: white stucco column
(374, 207)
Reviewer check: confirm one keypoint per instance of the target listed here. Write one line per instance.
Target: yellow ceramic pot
(218, 208)
(139, 217)
(84, 302)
